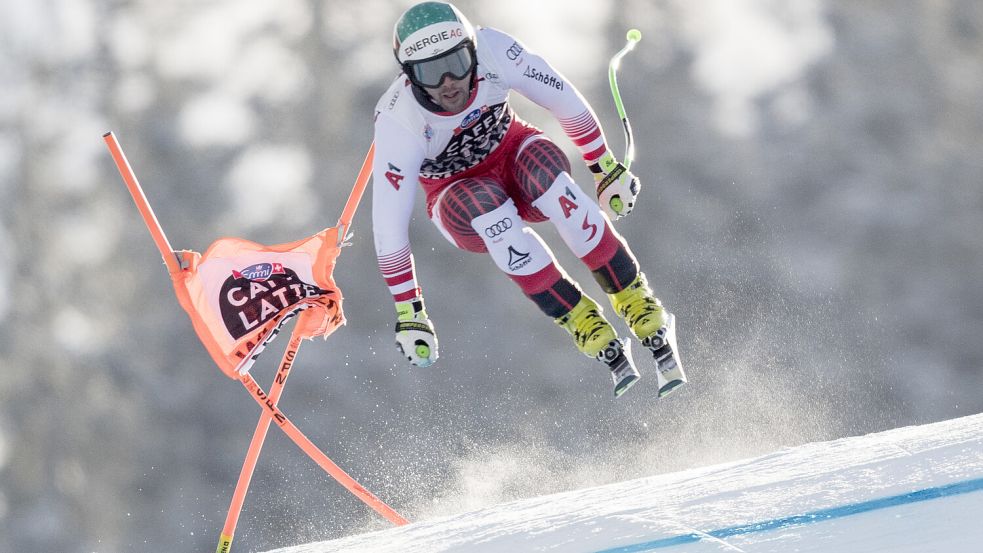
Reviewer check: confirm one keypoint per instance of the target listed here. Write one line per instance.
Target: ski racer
(445, 124)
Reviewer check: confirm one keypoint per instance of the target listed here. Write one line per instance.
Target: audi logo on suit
(498, 228)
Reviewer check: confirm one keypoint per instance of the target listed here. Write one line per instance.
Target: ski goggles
(429, 73)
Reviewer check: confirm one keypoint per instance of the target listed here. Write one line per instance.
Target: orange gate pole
(312, 451)
(345, 221)
(267, 401)
(256, 445)
(133, 185)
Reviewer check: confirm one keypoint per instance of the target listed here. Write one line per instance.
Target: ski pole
(634, 35)
(312, 451)
(133, 185)
(256, 445)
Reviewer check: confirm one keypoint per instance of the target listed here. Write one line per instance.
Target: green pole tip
(634, 35)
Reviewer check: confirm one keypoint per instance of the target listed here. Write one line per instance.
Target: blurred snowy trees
(811, 212)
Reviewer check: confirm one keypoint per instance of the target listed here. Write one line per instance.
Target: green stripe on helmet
(428, 29)
(422, 15)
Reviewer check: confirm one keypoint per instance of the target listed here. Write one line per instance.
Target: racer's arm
(396, 173)
(395, 179)
(532, 76)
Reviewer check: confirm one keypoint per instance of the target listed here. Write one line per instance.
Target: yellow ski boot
(654, 327)
(595, 338)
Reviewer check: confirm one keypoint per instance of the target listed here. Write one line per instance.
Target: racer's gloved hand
(415, 336)
(617, 187)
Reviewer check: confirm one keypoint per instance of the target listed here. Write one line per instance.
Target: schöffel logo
(545, 78)
(470, 119)
(517, 259)
(498, 228)
(260, 271)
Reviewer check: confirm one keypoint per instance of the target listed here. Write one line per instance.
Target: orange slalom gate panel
(240, 293)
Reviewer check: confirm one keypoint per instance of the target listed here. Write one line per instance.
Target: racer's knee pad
(461, 203)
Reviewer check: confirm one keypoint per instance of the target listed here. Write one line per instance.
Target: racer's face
(452, 94)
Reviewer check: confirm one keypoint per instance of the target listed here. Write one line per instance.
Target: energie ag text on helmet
(432, 40)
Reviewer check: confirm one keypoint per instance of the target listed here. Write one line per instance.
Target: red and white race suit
(485, 173)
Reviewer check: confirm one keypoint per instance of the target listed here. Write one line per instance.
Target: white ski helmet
(434, 39)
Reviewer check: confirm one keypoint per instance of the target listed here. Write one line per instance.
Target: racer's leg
(477, 215)
(542, 173)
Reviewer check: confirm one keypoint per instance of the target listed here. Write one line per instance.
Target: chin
(454, 107)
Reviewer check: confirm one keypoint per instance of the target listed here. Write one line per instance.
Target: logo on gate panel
(254, 295)
(259, 272)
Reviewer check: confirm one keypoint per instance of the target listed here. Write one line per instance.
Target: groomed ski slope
(915, 489)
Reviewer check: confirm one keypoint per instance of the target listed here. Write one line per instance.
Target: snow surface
(915, 489)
